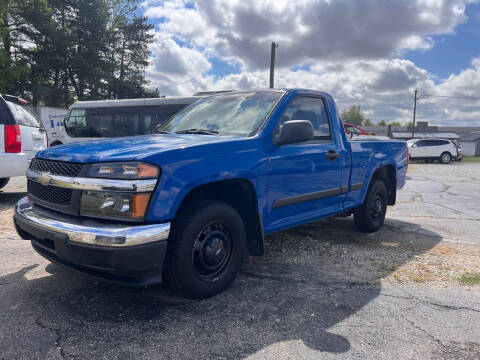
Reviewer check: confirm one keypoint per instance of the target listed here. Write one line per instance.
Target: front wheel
(206, 249)
(445, 158)
(371, 215)
(4, 182)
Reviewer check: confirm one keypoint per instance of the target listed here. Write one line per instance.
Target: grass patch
(470, 279)
(471, 158)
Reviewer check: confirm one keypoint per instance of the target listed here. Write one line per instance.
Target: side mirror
(294, 131)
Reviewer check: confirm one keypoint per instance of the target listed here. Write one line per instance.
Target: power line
(450, 97)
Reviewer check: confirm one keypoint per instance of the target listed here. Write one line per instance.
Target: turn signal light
(139, 204)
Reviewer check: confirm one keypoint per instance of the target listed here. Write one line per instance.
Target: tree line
(355, 116)
(54, 52)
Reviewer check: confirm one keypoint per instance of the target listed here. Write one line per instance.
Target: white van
(114, 118)
(52, 119)
(21, 136)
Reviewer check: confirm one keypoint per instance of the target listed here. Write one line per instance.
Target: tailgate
(33, 140)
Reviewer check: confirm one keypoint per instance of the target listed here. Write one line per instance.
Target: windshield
(118, 121)
(228, 114)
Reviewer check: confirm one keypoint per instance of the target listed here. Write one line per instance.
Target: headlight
(116, 203)
(125, 171)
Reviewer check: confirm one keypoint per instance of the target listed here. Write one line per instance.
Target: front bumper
(132, 254)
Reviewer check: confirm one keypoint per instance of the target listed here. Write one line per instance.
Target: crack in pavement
(58, 336)
(411, 322)
(432, 303)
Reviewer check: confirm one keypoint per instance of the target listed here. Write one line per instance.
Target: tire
(370, 216)
(446, 157)
(205, 250)
(4, 182)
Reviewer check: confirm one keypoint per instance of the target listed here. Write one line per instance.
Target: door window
(311, 109)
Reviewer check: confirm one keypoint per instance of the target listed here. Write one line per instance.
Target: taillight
(13, 139)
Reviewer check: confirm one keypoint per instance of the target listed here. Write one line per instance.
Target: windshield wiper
(197, 131)
(158, 131)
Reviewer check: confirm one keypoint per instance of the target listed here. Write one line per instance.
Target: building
(470, 143)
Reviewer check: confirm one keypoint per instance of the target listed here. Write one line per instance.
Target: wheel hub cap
(211, 251)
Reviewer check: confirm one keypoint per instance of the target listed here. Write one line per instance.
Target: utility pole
(414, 113)
(272, 64)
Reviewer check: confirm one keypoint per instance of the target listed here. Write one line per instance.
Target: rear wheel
(206, 249)
(4, 182)
(371, 215)
(445, 158)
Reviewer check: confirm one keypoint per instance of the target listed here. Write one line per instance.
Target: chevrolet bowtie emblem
(44, 178)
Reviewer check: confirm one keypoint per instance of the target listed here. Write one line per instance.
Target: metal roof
(423, 135)
(473, 136)
(173, 100)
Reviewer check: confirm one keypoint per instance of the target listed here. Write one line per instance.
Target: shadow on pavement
(311, 278)
(9, 199)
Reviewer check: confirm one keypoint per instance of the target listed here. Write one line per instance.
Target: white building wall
(468, 147)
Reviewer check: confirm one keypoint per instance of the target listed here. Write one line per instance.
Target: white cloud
(347, 48)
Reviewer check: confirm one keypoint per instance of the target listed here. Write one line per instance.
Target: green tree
(354, 116)
(396, 123)
(53, 51)
(382, 123)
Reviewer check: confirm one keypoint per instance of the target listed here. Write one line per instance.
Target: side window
(159, 114)
(311, 109)
(443, 142)
(421, 143)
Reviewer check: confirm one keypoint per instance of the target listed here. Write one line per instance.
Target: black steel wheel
(205, 250)
(212, 250)
(371, 215)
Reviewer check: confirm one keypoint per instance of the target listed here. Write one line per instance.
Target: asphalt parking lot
(322, 290)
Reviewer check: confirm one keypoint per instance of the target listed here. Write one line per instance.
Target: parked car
(185, 204)
(87, 120)
(429, 150)
(354, 130)
(21, 136)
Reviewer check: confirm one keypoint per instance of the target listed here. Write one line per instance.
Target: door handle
(332, 155)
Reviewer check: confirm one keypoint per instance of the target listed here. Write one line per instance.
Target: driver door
(304, 179)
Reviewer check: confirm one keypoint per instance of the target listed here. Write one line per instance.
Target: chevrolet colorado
(186, 203)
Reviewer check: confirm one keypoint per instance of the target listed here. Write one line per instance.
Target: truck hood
(127, 148)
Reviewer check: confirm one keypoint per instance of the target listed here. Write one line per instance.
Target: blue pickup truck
(186, 203)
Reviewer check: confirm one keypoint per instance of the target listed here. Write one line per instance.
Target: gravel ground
(322, 290)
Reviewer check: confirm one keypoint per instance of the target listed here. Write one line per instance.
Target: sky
(371, 53)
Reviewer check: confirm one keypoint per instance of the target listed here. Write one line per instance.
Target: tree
(395, 123)
(382, 123)
(53, 51)
(354, 116)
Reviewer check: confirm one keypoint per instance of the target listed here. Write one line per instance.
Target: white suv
(434, 149)
(21, 136)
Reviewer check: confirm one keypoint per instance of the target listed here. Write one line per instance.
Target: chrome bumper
(91, 232)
